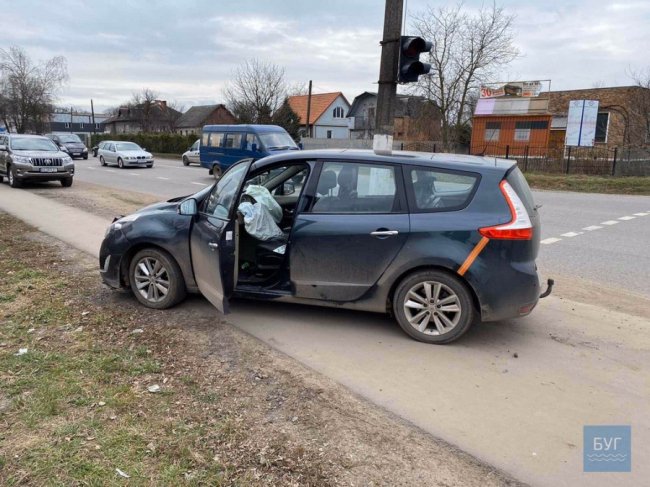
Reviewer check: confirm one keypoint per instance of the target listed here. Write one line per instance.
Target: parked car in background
(70, 143)
(192, 154)
(124, 154)
(439, 241)
(223, 145)
(33, 158)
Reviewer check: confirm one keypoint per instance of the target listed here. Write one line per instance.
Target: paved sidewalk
(80, 229)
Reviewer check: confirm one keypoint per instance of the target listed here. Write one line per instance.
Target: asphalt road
(516, 394)
(614, 254)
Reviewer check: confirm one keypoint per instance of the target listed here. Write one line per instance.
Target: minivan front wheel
(156, 279)
(433, 307)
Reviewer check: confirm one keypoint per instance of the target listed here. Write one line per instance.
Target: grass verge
(590, 184)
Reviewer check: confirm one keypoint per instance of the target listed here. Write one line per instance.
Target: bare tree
(28, 90)
(467, 50)
(144, 103)
(256, 91)
(640, 108)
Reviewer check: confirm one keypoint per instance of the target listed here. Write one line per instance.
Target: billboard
(522, 89)
(581, 123)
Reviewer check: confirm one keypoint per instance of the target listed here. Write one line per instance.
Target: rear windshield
(520, 185)
(438, 190)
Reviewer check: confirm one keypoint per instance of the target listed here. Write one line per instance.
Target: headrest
(346, 177)
(326, 182)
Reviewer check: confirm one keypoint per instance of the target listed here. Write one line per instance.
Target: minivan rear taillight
(519, 227)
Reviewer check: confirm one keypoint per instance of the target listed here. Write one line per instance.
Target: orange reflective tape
(472, 256)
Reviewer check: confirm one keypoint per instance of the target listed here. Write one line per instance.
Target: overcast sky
(187, 50)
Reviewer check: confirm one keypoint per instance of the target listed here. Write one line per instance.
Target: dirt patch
(99, 200)
(77, 405)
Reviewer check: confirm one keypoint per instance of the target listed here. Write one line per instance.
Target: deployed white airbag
(264, 196)
(258, 221)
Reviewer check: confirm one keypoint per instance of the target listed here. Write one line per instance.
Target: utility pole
(308, 110)
(71, 112)
(385, 114)
(92, 112)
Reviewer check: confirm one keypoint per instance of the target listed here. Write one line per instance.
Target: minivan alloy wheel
(151, 279)
(432, 308)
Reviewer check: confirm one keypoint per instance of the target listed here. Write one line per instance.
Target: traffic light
(410, 66)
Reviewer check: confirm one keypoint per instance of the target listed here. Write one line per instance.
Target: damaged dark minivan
(439, 241)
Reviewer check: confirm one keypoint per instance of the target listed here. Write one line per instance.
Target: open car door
(213, 241)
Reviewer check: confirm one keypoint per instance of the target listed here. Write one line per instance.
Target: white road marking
(134, 174)
(641, 214)
(626, 218)
(551, 240)
(92, 168)
(109, 170)
(160, 177)
(572, 234)
(200, 184)
(609, 222)
(591, 228)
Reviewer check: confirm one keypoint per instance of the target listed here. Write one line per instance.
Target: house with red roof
(327, 114)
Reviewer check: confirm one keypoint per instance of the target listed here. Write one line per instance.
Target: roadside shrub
(164, 143)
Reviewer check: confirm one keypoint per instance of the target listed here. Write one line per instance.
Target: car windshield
(127, 146)
(277, 141)
(33, 143)
(69, 138)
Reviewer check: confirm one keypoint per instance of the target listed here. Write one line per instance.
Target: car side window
(250, 140)
(216, 139)
(232, 141)
(222, 197)
(438, 190)
(356, 188)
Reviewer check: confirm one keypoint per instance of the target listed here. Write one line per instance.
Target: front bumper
(139, 162)
(111, 252)
(78, 152)
(35, 173)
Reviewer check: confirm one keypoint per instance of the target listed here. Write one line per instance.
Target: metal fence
(599, 160)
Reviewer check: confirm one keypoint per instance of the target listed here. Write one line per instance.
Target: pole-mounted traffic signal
(410, 66)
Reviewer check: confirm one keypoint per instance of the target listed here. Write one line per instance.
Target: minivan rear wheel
(433, 307)
(156, 279)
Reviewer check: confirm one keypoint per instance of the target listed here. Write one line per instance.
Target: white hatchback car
(123, 154)
(192, 154)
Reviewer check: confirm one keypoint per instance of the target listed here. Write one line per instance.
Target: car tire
(120, 163)
(1, 179)
(86, 157)
(186, 161)
(433, 306)
(102, 161)
(14, 182)
(216, 172)
(67, 182)
(143, 289)
(149, 166)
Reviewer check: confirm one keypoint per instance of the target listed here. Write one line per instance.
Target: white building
(327, 114)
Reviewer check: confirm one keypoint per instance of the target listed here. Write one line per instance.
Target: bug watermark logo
(607, 449)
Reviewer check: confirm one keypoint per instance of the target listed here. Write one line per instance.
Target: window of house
(338, 112)
(602, 123)
(522, 131)
(492, 131)
(67, 125)
(81, 125)
(233, 141)
(356, 188)
(329, 134)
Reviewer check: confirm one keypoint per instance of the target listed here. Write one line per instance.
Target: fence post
(614, 162)
(526, 159)
(507, 150)
(401, 146)
(568, 160)
(434, 147)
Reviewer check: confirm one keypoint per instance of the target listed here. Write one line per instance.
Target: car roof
(243, 128)
(438, 159)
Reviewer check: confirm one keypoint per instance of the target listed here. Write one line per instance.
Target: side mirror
(254, 147)
(188, 207)
(143, 148)
(3, 147)
(288, 188)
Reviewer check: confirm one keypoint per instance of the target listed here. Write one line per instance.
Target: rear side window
(438, 190)
(233, 141)
(356, 188)
(216, 139)
(520, 185)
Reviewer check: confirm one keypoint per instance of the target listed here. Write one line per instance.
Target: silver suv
(33, 157)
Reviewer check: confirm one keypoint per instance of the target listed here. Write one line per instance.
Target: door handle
(213, 245)
(384, 233)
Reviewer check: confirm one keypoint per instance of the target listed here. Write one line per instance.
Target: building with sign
(507, 123)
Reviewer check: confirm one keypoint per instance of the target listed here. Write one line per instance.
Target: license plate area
(48, 169)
